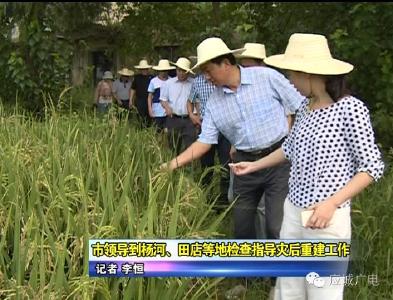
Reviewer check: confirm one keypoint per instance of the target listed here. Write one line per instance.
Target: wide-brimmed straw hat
(143, 64)
(163, 65)
(211, 48)
(309, 53)
(253, 50)
(184, 64)
(107, 75)
(125, 72)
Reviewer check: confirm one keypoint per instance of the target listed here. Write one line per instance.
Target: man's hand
(195, 119)
(232, 153)
(171, 165)
(164, 166)
(168, 111)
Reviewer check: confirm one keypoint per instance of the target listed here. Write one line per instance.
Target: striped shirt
(254, 116)
(200, 92)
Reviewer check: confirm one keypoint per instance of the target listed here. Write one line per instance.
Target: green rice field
(68, 178)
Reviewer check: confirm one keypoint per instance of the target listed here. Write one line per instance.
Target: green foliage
(71, 177)
(40, 62)
(363, 41)
(357, 33)
(150, 24)
(184, 24)
(75, 16)
(275, 22)
(37, 65)
(372, 237)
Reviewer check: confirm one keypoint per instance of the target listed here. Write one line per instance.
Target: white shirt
(176, 93)
(156, 83)
(122, 89)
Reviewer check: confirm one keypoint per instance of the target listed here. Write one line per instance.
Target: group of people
(299, 141)
(294, 141)
(123, 90)
(160, 101)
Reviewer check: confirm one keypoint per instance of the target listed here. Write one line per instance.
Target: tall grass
(372, 234)
(73, 177)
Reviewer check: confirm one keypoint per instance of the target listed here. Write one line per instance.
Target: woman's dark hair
(219, 59)
(336, 86)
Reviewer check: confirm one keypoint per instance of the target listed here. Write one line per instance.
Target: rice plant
(68, 178)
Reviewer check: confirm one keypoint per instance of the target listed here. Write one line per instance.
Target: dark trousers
(181, 133)
(143, 112)
(125, 103)
(222, 149)
(160, 123)
(248, 190)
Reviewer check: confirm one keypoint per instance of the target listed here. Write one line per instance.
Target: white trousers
(297, 288)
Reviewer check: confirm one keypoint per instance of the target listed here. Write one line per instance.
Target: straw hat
(163, 65)
(309, 53)
(253, 50)
(193, 57)
(143, 65)
(211, 48)
(125, 72)
(107, 75)
(184, 64)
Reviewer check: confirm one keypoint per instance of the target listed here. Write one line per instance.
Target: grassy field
(71, 177)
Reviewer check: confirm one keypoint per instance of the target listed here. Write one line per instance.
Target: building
(95, 51)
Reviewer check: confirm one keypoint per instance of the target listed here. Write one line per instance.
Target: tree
(364, 40)
(37, 67)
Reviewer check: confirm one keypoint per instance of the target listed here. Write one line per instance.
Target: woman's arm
(323, 211)
(360, 136)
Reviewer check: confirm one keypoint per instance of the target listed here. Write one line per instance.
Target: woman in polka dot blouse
(332, 152)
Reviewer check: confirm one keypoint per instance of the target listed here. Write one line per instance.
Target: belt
(180, 117)
(266, 151)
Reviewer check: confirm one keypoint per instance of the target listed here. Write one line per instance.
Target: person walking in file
(156, 111)
(174, 96)
(200, 92)
(139, 91)
(122, 86)
(103, 95)
(253, 56)
(247, 107)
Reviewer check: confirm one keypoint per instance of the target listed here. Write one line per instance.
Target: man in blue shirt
(200, 93)
(248, 107)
